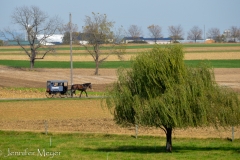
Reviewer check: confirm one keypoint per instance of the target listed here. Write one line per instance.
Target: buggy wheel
(49, 94)
(57, 95)
(60, 95)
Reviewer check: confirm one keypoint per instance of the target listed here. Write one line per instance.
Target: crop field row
(197, 46)
(127, 57)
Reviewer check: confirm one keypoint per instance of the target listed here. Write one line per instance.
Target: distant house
(131, 39)
(148, 40)
(55, 39)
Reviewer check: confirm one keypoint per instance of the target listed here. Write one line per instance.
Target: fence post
(136, 130)
(46, 127)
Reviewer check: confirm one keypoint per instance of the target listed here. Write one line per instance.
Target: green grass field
(26, 145)
(111, 64)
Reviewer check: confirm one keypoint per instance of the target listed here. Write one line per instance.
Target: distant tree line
(96, 31)
(174, 32)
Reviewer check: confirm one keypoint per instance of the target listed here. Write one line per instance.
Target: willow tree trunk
(169, 140)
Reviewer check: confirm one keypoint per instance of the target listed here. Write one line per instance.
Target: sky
(205, 14)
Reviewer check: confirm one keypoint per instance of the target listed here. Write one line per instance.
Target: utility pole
(204, 33)
(70, 24)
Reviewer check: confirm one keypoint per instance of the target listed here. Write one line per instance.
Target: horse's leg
(73, 92)
(86, 93)
(80, 94)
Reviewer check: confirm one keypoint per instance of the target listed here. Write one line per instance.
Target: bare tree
(98, 31)
(235, 32)
(214, 33)
(195, 34)
(34, 22)
(175, 32)
(135, 32)
(155, 31)
(1, 42)
(66, 38)
(65, 29)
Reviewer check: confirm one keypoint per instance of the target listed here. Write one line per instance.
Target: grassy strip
(215, 63)
(111, 64)
(27, 145)
(211, 45)
(214, 51)
(134, 46)
(59, 64)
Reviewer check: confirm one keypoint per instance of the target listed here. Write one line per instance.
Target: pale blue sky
(209, 13)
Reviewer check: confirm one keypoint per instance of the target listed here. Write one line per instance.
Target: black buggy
(57, 88)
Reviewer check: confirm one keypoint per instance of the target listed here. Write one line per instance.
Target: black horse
(81, 87)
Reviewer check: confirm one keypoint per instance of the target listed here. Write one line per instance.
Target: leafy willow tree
(161, 91)
(101, 39)
(37, 26)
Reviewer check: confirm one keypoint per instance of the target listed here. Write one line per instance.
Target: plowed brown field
(84, 115)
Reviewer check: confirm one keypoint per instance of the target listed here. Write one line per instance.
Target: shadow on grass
(161, 149)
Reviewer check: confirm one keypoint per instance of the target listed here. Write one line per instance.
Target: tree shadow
(197, 148)
(161, 149)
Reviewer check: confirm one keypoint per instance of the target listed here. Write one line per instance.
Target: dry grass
(56, 57)
(194, 49)
(6, 93)
(127, 57)
(212, 55)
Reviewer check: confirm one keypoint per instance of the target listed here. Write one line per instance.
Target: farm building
(131, 39)
(14, 43)
(148, 40)
(52, 40)
(158, 40)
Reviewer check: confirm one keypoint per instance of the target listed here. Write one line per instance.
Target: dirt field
(84, 115)
(15, 77)
(79, 57)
